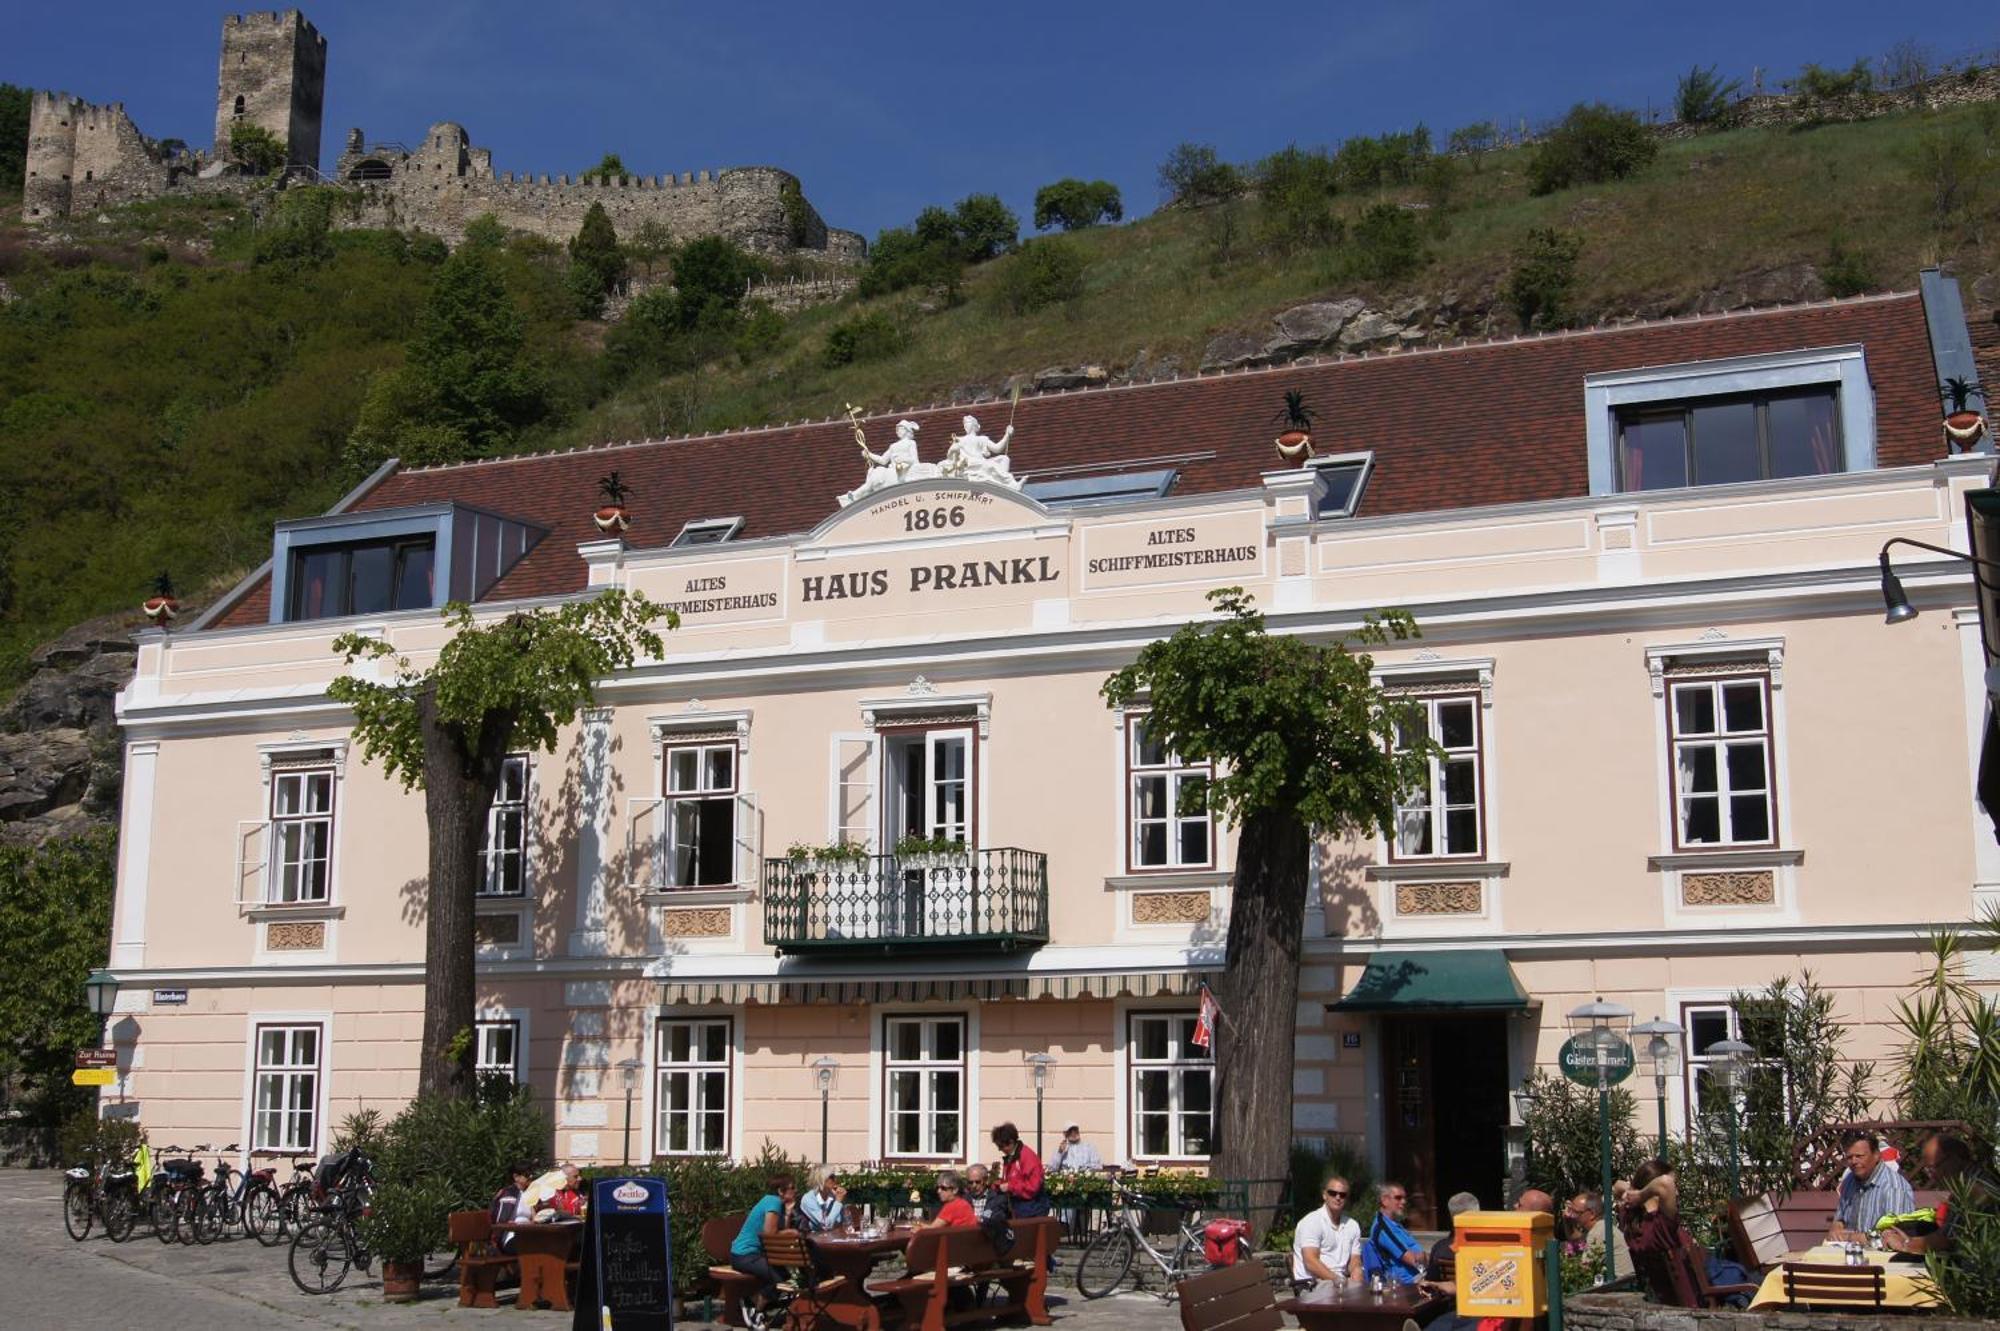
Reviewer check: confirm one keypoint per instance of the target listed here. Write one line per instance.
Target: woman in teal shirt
(746, 1254)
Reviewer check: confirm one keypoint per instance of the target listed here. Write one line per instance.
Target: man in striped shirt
(1871, 1190)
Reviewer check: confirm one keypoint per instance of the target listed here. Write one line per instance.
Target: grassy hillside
(175, 376)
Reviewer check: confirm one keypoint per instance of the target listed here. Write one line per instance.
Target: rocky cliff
(61, 759)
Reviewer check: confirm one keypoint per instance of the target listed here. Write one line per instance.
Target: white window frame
(927, 1066)
(288, 1074)
(1719, 742)
(491, 854)
(699, 793)
(1363, 461)
(934, 740)
(1694, 1066)
(1181, 1059)
(1176, 773)
(1845, 366)
(484, 1032)
(1434, 805)
(694, 1070)
(686, 536)
(303, 773)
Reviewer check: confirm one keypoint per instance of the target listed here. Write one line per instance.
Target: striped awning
(823, 989)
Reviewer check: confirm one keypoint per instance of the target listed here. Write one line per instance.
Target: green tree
(1304, 743)
(902, 257)
(255, 149)
(1193, 174)
(651, 245)
(1047, 271)
(1074, 204)
(1385, 244)
(1481, 136)
(798, 214)
(865, 337)
(14, 103)
(55, 927)
(1295, 191)
(1950, 1067)
(496, 688)
(1701, 97)
(1592, 144)
(712, 273)
(1543, 282)
(611, 168)
(1566, 1140)
(985, 228)
(596, 263)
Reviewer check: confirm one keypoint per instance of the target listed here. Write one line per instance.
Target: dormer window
(391, 559)
(707, 531)
(363, 579)
(1344, 476)
(1714, 441)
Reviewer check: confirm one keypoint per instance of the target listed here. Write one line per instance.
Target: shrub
(298, 227)
(1820, 84)
(85, 1139)
(1481, 136)
(1310, 1165)
(1593, 143)
(1295, 192)
(1846, 272)
(1193, 174)
(1384, 245)
(762, 334)
(14, 102)
(1950, 165)
(865, 337)
(596, 263)
(1565, 1141)
(1046, 272)
(1969, 1275)
(1074, 204)
(1544, 278)
(255, 149)
(1701, 97)
(798, 213)
(1906, 64)
(406, 1222)
(1386, 159)
(610, 167)
(458, 1150)
(900, 258)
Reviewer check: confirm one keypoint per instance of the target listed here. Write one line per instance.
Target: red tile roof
(1451, 427)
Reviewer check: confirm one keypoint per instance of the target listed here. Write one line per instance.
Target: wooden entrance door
(1445, 1110)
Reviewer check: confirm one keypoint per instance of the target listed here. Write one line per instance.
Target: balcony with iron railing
(957, 900)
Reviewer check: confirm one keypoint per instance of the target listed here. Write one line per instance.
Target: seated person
(954, 1208)
(1950, 1163)
(506, 1206)
(990, 1206)
(1441, 1270)
(824, 1203)
(1327, 1245)
(567, 1202)
(1651, 1218)
(1585, 1216)
(1390, 1249)
(1870, 1191)
(746, 1252)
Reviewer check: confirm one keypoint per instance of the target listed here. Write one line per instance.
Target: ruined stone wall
(82, 156)
(274, 65)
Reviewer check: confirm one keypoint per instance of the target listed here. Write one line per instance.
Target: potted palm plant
(1962, 425)
(405, 1223)
(1295, 445)
(610, 515)
(161, 606)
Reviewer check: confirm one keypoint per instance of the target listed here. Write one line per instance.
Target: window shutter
(252, 856)
(645, 842)
(855, 778)
(749, 832)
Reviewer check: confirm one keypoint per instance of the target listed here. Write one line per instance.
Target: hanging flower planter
(1295, 445)
(610, 516)
(1963, 427)
(161, 606)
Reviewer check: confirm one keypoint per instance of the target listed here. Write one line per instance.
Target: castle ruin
(83, 157)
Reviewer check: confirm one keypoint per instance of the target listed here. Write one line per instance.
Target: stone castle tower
(273, 75)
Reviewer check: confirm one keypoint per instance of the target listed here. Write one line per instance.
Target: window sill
(315, 910)
(500, 903)
(1418, 870)
(1146, 879)
(1759, 857)
(696, 896)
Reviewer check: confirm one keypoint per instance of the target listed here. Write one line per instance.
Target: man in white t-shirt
(1327, 1245)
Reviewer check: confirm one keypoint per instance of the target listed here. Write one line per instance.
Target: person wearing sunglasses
(953, 1208)
(1327, 1245)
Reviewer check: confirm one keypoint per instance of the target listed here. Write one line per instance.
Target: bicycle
(252, 1202)
(107, 1193)
(175, 1198)
(1108, 1260)
(328, 1245)
(295, 1199)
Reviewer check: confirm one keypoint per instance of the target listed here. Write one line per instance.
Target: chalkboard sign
(627, 1278)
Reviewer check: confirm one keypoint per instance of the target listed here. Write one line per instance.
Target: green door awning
(1469, 981)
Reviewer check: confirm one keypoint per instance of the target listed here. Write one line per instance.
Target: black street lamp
(1041, 1063)
(101, 989)
(1659, 1047)
(1599, 1024)
(823, 1069)
(628, 1073)
(1896, 602)
(1732, 1061)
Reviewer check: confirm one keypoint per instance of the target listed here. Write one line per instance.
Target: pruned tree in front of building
(1304, 743)
(496, 688)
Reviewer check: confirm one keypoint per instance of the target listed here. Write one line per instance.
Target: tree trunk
(461, 774)
(1259, 995)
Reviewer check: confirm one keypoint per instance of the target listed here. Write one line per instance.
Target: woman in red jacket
(1020, 1174)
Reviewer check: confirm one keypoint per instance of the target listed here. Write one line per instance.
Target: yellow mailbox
(1499, 1262)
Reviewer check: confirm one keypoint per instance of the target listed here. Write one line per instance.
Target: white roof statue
(974, 457)
(893, 465)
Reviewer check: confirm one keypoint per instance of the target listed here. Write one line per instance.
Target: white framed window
(301, 835)
(1724, 778)
(285, 1113)
(927, 779)
(706, 531)
(924, 1066)
(1344, 477)
(1173, 1087)
(1724, 439)
(1445, 816)
(497, 1048)
(1166, 805)
(701, 815)
(691, 1065)
(1708, 1024)
(504, 849)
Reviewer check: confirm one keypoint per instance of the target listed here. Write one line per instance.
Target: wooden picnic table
(1904, 1283)
(847, 1253)
(544, 1251)
(1350, 1306)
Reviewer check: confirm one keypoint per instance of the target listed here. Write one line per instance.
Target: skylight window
(707, 531)
(1345, 476)
(1112, 488)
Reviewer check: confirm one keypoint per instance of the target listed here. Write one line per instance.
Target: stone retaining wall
(1631, 1312)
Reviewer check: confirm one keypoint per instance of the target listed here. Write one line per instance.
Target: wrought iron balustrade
(974, 899)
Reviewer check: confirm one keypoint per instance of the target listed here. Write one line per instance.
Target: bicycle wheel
(320, 1257)
(78, 1212)
(187, 1206)
(121, 1213)
(1190, 1260)
(205, 1217)
(294, 1205)
(1105, 1263)
(164, 1215)
(263, 1219)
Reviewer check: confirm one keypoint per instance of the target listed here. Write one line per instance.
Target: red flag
(1205, 1018)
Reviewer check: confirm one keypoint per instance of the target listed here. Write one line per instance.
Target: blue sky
(881, 108)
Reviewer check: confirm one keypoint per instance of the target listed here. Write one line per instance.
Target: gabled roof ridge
(1307, 362)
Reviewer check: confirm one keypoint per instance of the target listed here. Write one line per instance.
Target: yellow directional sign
(94, 1077)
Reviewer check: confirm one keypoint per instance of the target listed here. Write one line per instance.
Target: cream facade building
(1684, 756)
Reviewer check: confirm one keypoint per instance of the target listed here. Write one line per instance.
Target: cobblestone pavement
(49, 1281)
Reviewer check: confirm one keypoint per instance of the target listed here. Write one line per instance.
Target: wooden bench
(1229, 1298)
(939, 1262)
(732, 1284)
(480, 1264)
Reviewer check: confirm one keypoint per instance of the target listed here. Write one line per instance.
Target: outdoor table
(1350, 1306)
(1904, 1284)
(847, 1253)
(544, 1252)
